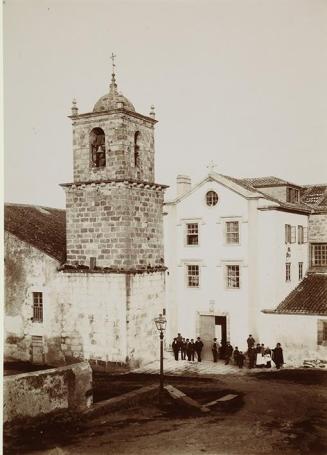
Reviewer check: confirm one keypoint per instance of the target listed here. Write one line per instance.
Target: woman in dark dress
(277, 356)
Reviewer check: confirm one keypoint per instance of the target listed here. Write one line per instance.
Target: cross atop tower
(113, 56)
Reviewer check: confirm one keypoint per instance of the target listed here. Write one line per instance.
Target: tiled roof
(266, 181)
(315, 195)
(240, 182)
(309, 297)
(42, 227)
(245, 183)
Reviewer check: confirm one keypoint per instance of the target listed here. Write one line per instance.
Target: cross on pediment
(211, 166)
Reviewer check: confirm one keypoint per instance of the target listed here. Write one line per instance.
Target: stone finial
(152, 113)
(74, 107)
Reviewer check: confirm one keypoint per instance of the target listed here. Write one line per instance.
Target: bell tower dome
(113, 142)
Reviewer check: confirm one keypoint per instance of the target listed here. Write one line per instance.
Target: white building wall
(298, 335)
(273, 253)
(184, 305)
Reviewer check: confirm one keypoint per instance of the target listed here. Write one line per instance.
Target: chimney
(183, 184)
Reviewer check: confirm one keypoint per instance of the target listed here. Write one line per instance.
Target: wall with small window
(32, 327)
(283, 253)
(283, 193)
(207, 223)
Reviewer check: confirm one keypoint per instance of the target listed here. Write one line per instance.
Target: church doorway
(212, 327)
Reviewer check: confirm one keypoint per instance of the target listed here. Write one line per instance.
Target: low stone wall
(43, 392)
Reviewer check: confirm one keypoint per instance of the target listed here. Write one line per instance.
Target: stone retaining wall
(42, 392)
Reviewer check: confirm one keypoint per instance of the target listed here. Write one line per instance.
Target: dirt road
(282, 413)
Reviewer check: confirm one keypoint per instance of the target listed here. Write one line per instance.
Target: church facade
(103, 294)
(248, 256)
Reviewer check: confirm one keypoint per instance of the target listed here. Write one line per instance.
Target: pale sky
(239, 82)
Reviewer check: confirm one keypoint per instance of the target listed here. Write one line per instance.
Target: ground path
(185, 368)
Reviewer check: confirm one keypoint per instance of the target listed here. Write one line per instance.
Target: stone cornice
(84, 269)
(128, 182)
(115, 111)
(298, 210)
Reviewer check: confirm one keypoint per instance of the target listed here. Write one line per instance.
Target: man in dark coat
(240, 359)
(277, 356)
(175, 346)
(198, 348)
(250, 341)
(252, 353)
(191, 350)
(235, 355)
(214, 349)
(187, 344)
(228, 352)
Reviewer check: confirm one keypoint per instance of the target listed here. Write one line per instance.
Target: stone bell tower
(114, 230)
(114, 207)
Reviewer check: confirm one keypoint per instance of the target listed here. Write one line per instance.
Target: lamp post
(161, 327)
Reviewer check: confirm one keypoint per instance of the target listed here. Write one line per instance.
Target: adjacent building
(237, 248)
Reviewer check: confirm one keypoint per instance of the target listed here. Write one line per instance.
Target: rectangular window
(319, 254)
(193, 278)
(192, 236)
(322, 332)
(288, 271)
(233, 276)
(232, 232)
(300, 270)
(292, 195)
(305, 235)
(37, 307)
(300, 236)
(288, 233)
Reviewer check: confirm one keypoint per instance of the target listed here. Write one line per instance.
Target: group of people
(261, 356)
(257, 355)
(187, 348)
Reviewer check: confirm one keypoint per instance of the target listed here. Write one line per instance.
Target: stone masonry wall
(145, 301)
(110, 317)
(318, 228)
(94, 321)
(119, 224)
(119, 129)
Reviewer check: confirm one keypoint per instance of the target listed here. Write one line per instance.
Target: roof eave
(294, 313)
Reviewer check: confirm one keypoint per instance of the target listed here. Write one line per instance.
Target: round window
(211, 198)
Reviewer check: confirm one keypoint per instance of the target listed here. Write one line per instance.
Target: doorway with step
(211, 327)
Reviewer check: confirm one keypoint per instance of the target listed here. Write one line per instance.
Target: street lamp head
(160, 323)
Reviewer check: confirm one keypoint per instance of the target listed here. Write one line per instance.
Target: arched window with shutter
(98, 147)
